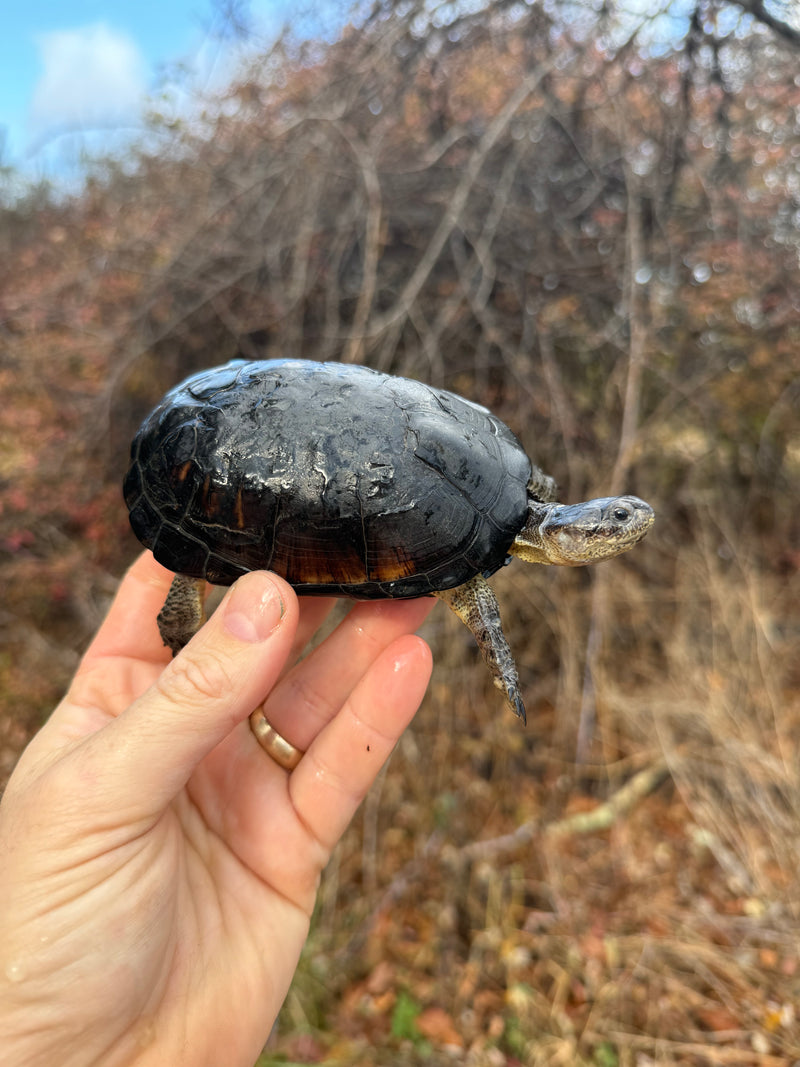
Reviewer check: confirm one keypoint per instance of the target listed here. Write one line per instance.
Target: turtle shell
(343, 480)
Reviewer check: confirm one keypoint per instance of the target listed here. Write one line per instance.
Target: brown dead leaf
(380, 979)
(718, 1019)
(438, 1026)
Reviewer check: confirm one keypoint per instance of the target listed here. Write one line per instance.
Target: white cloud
(92, 76)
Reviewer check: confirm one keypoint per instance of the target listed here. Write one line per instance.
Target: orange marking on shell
(390, 570)
(238, 510)
(209, 499)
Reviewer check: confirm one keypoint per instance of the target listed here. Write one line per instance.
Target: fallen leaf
(438, 1027)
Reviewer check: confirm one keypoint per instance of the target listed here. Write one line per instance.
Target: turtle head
(575, 534)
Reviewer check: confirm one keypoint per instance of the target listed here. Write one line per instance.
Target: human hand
(157, 868)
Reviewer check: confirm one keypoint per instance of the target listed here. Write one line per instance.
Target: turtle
(350, 482)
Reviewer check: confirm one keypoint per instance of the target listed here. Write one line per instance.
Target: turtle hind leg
(476, 606)
(183, 612)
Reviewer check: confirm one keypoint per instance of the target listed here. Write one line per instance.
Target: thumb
(211, 686)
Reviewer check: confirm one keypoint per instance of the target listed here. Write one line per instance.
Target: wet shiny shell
(343, 480)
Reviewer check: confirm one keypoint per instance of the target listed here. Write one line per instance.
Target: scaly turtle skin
(349, 482)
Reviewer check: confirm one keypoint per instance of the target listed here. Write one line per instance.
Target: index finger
(334, 775)
(129, 629)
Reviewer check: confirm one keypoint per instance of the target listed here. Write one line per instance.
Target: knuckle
(195, 678)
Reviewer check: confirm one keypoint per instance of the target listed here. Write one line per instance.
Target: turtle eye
(621, 514)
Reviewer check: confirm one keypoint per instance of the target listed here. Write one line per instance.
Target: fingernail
(253, 609)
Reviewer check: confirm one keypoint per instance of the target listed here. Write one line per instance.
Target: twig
(372, 245)
(635, 300)
(758, 10)
(696, 1051)
(583, 822)
(606, 814)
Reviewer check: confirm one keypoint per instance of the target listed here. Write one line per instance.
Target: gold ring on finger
(277, 747)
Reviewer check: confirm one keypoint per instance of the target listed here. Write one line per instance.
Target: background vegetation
(591, 223)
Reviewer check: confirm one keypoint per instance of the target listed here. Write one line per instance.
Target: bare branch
(457, 203)
(784, 29)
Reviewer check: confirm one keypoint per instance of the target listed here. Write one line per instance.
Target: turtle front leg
(183, 613)
(476, 606)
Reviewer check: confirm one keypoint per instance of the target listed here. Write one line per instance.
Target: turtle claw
(514, 701)
(516, 704)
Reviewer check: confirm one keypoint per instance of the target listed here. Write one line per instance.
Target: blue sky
(85, 65)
